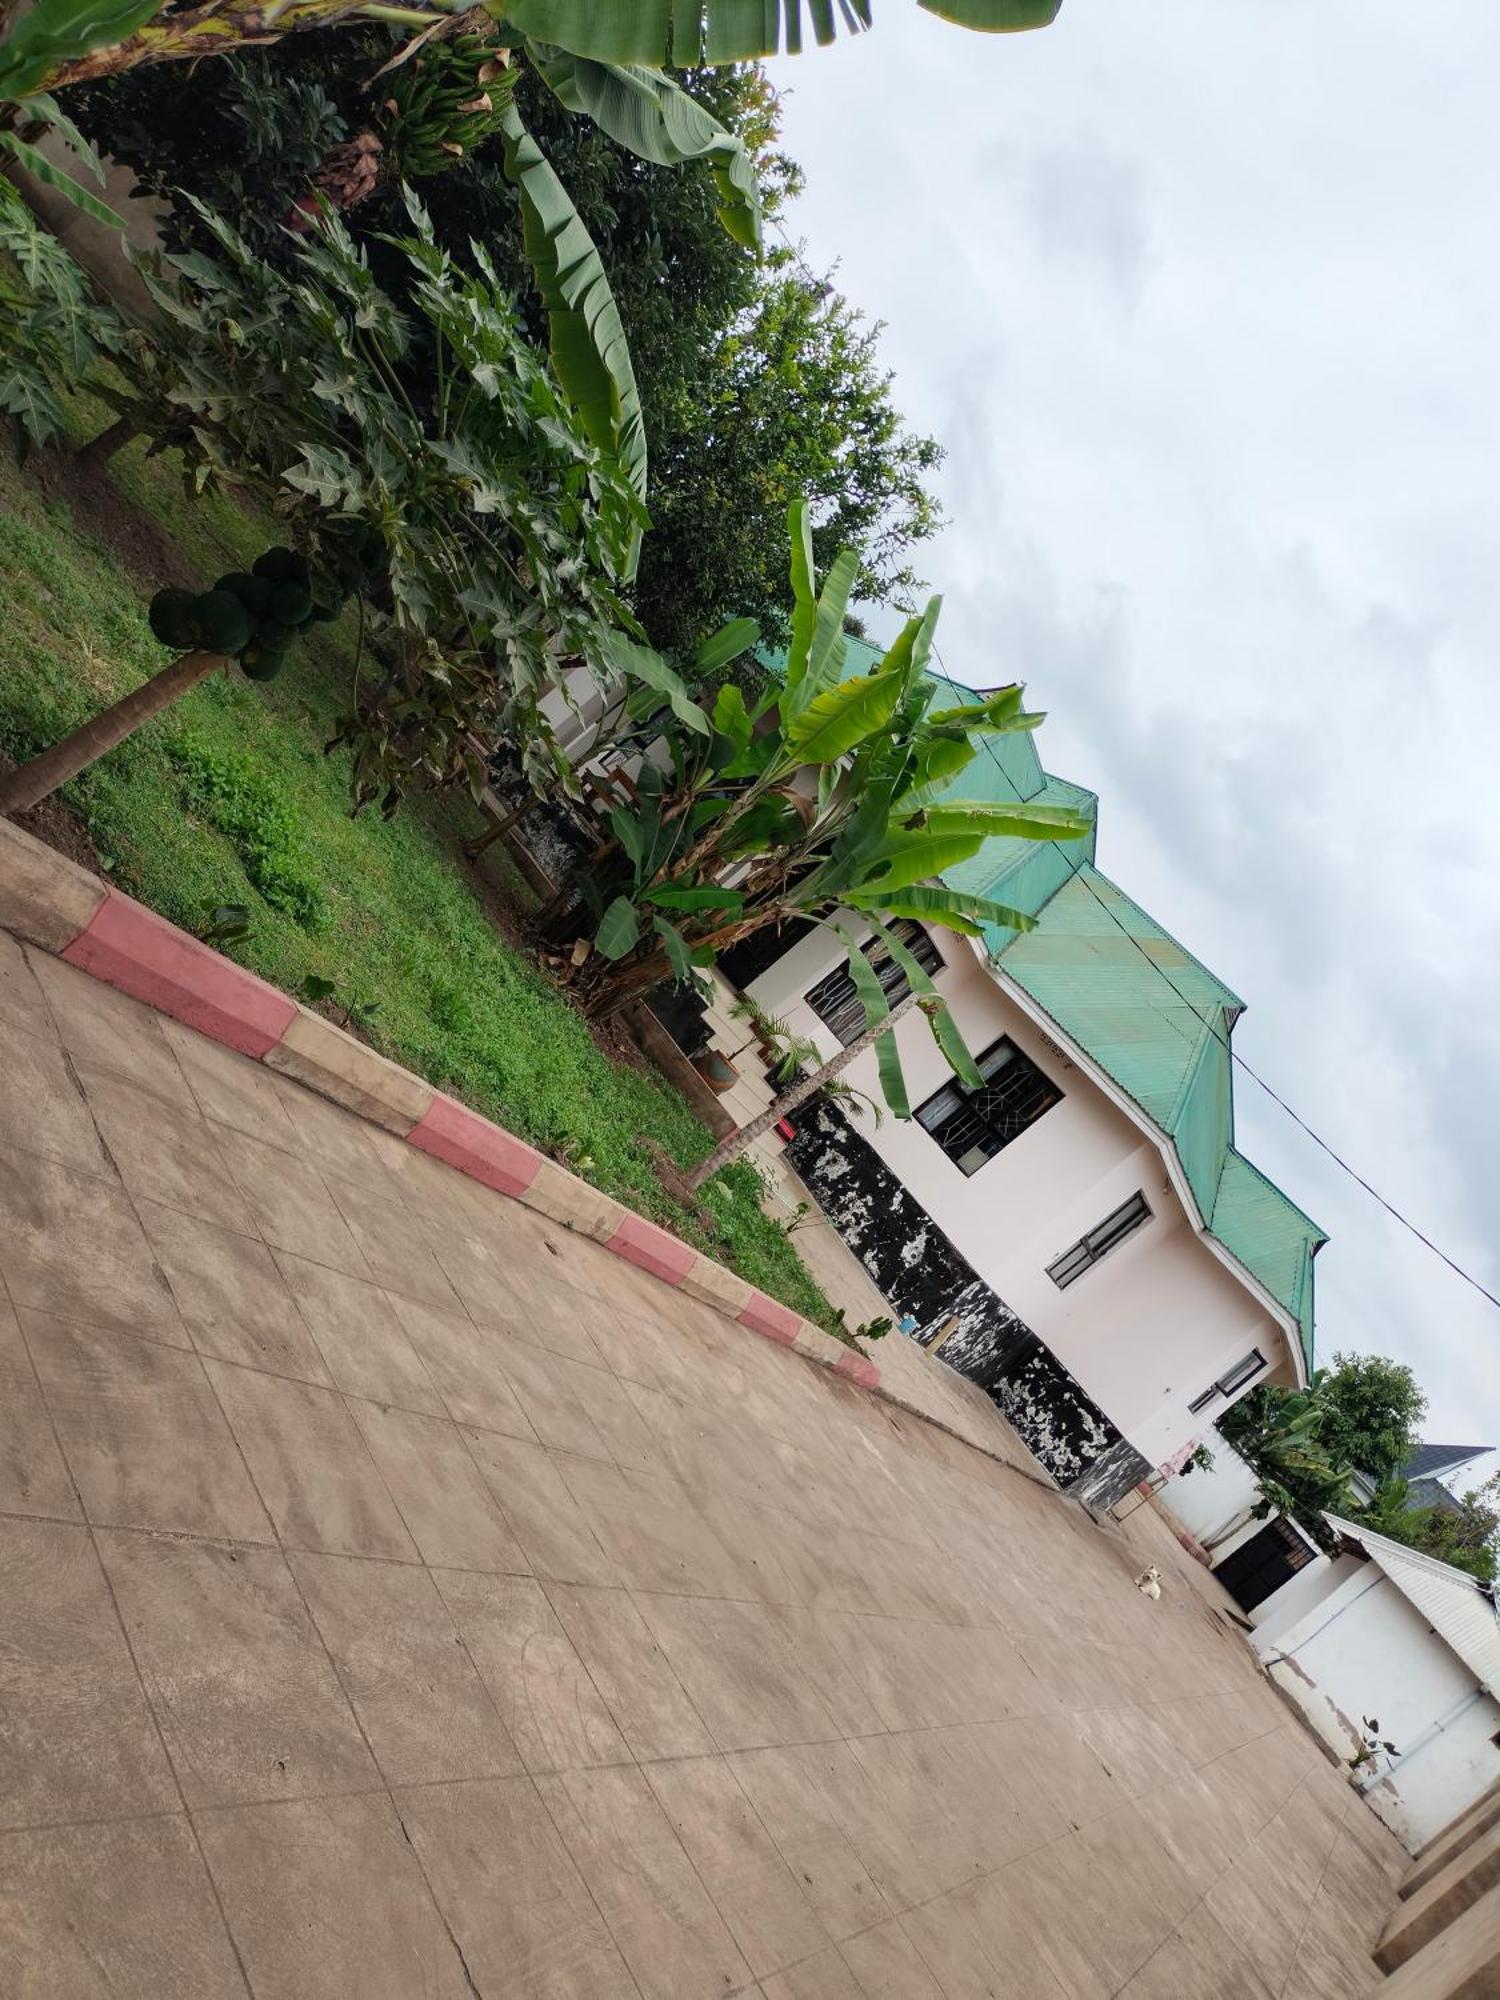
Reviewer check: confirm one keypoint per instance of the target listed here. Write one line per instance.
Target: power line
(1236, 1058)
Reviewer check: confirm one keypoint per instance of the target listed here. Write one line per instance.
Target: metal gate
(1262, 1565)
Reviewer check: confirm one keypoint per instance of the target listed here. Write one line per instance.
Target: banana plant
(835, 794)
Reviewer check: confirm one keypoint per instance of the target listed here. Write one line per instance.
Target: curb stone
(52, 903)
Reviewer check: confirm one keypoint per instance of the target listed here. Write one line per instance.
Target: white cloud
(1202, 301)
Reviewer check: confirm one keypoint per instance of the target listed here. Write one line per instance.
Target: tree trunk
(32, 782)
(498, 829)
(110, 440)
(730, 1148)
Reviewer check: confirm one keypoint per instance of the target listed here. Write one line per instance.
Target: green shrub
(247, 809)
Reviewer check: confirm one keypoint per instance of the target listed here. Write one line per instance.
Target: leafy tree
(789, 398)
(492, 534)
(1468, 1535)
(756, 380)
(1373, 1413)
(1280, 1434)
(1363, 1414)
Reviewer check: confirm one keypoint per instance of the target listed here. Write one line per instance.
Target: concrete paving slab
(406, 1595)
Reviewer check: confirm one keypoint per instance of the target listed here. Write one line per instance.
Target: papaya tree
(486, 535)
(833, 794)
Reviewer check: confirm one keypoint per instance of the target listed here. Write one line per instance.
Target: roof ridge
(1190, 1076)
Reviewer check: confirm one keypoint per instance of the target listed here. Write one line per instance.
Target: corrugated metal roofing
(1455, 1604)
(1158, 1023)
(1154, 1019)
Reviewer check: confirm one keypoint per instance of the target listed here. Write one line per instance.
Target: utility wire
(1236, 1058)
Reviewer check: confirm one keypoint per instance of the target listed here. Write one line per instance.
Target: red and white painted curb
(51, 902)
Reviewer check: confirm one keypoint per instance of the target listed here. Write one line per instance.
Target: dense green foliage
(500, 532)
(1363, 1414)
(757, 381)
(1279, 1432)
(1373, 1413)
(52, 327)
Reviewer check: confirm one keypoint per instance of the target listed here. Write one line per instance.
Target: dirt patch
(102, 513)
(58, 826)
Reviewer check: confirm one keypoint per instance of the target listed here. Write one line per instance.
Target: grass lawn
(229, 798)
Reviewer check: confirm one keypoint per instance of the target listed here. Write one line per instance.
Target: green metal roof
(1134, 1000)
(1159, 1024)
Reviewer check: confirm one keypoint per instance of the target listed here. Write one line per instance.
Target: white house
(1378, 1630)
(1118, 1271)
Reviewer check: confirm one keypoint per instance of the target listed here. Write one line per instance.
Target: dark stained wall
(916, 1267)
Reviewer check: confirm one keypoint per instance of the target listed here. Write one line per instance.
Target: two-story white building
(1118, 1271)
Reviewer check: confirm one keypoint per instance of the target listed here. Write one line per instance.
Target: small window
(972, 1126)
(835, 1000)
(1089, 1250)
(1241, 1373)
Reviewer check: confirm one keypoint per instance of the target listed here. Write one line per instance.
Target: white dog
(1148, 1583)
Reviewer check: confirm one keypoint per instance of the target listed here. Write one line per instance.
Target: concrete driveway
(403, 1598)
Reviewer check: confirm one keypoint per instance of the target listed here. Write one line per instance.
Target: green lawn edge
(230, 798)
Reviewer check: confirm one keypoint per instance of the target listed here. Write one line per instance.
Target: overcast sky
(1204, 302)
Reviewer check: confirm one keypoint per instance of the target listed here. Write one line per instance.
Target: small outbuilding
(1376, 1633)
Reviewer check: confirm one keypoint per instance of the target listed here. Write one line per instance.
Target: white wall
(1310, 1587)
(1154, 1324)
(1212, 1504)
(1363, 1650)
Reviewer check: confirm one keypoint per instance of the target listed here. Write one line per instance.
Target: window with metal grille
(972, 1126)
(1241, 1373)
(835, 999)
(1088, 1250)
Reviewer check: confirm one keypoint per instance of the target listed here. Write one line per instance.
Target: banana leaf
(950, 907)
(619, 928)
(872, 997)
(804, 597)
(654, 118)
(940, 1019)
(679, 953)
(645, 665)
(673, 32)
(937, 759)
(587, 337)
(59, 31)
(715, 652)
(832, 724)
(989, 820)
(827, 645)
(46, 170)
(708, 897)
(905, 858)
